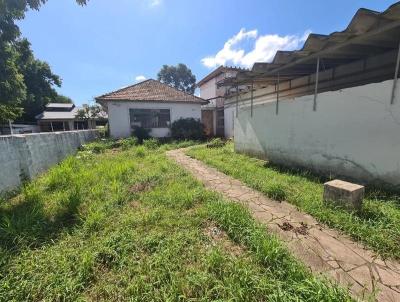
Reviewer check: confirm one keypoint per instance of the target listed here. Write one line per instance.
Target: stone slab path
(322, 249)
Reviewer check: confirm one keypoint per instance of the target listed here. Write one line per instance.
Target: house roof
(60, 105)
(62, 114)
(153, 91)
(218, 71)
(58, 115)
(368, 33)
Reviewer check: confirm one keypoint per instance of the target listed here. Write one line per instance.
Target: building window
(150, 118)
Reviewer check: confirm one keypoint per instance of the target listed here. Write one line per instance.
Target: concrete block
(344, 193)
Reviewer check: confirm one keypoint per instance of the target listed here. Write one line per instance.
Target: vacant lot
(126, 224)
(377, 225)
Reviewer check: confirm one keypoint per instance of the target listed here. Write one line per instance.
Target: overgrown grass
(129, 225)
(377, 224)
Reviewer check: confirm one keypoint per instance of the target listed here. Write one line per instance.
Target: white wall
(119, 119)
(354, 133)
(26, 155)
(209, 89)
(229, 117)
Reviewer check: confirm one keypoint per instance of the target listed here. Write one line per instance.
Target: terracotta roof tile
(151, 90)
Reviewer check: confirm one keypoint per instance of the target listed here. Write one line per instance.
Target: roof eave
(200, 101)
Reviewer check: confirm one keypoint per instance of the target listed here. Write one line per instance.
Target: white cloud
(140, 78)
(154, 3)
(263, 49)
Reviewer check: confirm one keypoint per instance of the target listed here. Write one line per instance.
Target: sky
(106, 45)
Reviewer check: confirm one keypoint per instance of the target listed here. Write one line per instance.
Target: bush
(151, 143)
(216, 143)
(187, 129)
(141, 134)
(128, 143)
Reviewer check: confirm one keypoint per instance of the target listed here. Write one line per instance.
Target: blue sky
(110, 44)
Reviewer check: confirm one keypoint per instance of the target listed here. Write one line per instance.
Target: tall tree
(179, 77)
(39, 82)
(13, 87)
(62, 99)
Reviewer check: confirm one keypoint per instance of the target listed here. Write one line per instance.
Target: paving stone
(322, 249)
(363, 276)
(388, 277)
(386, 294)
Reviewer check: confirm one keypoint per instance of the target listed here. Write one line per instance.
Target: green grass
(127, 224)
(377, 225)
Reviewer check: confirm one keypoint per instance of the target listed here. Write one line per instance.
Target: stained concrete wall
(354, 133)
(25, 156)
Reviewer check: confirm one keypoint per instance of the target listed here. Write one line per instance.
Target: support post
(316, 86)
(277, 96)
(251, 104)
(10, 125)
(237, 101)
(51, 124)
(396, 74)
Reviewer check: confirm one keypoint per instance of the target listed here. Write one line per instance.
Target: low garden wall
(25, 156)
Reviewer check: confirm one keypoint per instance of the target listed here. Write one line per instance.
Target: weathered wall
(355, 132)
(25, 156)
(229, 117)
(119, 119)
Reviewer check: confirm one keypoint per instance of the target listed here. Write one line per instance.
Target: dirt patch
(286, 226)
(301, 230)
(134, 204)
(219, 237)
(142, 187)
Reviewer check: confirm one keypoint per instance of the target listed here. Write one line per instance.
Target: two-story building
(216, 116)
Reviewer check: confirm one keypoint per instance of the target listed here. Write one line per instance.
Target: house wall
(208, 90)
(229, 117)
(354, 133)
(26, 155)
(119, 119)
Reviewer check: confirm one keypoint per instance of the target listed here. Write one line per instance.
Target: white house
(149, 104)
(217, 116)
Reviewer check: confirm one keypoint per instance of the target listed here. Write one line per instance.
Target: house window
(150, 118)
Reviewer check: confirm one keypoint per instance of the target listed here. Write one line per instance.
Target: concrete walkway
(322, 249)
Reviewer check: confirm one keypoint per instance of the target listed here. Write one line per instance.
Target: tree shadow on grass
(380, 191)
(297, 171)
(26, 225)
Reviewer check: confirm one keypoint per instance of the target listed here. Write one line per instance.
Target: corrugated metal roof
(151, 90)
(58, 115)
(65, 115)
(368, 33)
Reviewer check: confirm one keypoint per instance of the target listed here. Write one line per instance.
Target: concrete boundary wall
(25, 156)
(354, 133)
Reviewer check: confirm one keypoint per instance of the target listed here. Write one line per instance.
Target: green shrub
(216, 143)
(129, 142)
(187, 129)
(141, 134)
(151, 143)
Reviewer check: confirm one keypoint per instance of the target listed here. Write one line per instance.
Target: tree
(12, 86)
(62, 99)
(39, 82)
(14, 93)
(179, 77)
(88, 113)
